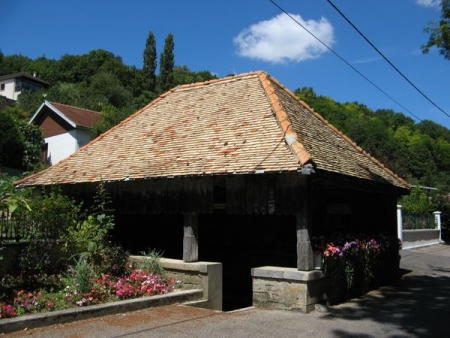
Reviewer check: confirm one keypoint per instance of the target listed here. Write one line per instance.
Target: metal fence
(413, 222)
(12, 229)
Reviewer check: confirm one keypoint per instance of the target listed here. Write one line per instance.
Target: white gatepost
(399, 222)
(437, 221)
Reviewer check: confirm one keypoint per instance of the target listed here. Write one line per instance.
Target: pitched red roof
(81, 117)
(241, 124)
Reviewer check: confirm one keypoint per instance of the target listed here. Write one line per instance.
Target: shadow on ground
(418, 305)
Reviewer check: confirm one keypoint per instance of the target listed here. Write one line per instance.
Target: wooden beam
(305, 256)
(190, 238)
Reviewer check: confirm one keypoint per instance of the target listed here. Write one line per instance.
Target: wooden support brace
(190, 238)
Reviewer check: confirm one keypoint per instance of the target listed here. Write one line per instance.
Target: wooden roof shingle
(246, 123)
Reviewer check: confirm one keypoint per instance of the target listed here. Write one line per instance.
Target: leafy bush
(151, 262)
(355, 264)
(49, 214)
(89, 237)
(114, 261)
(80, 275)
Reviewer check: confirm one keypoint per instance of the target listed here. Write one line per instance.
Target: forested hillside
(419, 152)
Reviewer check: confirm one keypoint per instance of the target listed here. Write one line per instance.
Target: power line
(384, 57)
(345, 61)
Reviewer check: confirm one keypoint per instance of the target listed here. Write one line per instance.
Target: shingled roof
(244, 124)
(75, 116)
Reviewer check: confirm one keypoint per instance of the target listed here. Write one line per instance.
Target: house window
(44, 154)
(2, 86)
(18, 86)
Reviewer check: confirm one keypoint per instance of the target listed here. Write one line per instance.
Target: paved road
(418, 305)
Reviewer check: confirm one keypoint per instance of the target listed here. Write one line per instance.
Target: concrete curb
(79, 313)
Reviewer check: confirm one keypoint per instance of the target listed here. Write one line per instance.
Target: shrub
(151, 262)
(80, 275)
(114, 261)
(356, 263)
(90, 236)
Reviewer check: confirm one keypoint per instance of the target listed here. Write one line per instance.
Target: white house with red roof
(65, 129)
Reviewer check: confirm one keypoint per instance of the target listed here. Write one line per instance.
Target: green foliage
(66, 93)
(15, 63)
(99, 80)
(80, 275)
(149, 67)
(89, 237)
(417, 152)
(51, 213)
(38, 258)
(10, 198)
(33, 143)
(114, 261)
(167, 63)
(20, 143)
(105, 88)
(111, 116)
(417, 202)
(11, 142)
(183, 75)
(439, 32)
(151, 261)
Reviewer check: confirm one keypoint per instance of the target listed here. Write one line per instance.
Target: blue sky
(237, 36)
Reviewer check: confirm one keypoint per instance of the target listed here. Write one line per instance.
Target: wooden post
(190, 239)
(305, 255)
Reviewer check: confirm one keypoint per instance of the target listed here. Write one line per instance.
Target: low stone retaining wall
(79, 313)
(287, 288)
(197, 275)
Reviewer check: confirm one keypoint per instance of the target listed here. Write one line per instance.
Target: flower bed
(356, 264)
(63, 293)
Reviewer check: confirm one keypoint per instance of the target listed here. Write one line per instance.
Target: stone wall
(206, 276)
(287, 288)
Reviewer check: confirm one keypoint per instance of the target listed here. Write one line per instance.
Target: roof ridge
(213, 81)
(70, 106)
(336, 130)
(289, 134)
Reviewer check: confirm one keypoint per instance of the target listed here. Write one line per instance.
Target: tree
(149, 67)
(106, 89)
(417, 202)
(167, 63)
(439, 32)
(111, 116)
(66, 93)
(33, 143)
(14, 63)
(11, 142)
(20, 143)
(183, 75)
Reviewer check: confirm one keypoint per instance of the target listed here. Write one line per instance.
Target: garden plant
(69, 260)
(357, 263)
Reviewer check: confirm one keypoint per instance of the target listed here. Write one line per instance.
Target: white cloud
(429, 3)
(281, 39)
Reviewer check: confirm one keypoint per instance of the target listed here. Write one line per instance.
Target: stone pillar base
(287, 288)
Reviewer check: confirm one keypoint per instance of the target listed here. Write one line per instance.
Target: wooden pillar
(305, 256)
(190, 238)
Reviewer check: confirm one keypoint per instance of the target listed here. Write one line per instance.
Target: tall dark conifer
(149, 68)
(167, 63)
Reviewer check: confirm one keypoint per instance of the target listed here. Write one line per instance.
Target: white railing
(418, 237)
